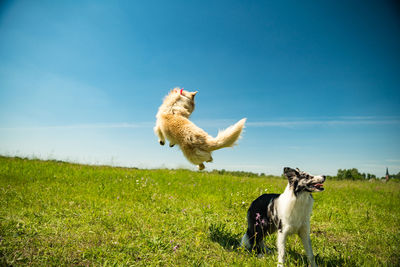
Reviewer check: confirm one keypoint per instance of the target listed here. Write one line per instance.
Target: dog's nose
(324, 177)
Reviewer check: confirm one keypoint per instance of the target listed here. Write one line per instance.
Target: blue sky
(318, 81)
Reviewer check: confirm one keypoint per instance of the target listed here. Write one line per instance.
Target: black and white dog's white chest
(294, 211)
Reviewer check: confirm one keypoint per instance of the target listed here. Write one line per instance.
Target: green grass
(55, 213)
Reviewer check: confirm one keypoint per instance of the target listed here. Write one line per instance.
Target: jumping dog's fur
(173, 124)
(288, 213)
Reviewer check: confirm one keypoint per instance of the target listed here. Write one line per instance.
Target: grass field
(54, 213)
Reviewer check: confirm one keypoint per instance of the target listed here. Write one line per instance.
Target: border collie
(288, 213)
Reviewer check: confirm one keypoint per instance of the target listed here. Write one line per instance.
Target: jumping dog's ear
(193, 94)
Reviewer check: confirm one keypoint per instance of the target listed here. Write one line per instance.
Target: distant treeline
(342, 174)
(239, 173)
(354, 174)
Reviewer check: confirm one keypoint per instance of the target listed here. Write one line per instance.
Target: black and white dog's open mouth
(317, 187)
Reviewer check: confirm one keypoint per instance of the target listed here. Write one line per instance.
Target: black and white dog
(288, 213)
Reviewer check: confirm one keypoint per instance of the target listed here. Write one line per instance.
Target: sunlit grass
(54, 213)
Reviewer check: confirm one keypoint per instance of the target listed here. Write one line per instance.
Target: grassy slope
(55, 213)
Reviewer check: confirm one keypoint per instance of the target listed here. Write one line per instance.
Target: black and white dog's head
(304, 182)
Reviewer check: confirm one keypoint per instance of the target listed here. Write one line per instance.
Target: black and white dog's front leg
(304, 234)
(281, 242)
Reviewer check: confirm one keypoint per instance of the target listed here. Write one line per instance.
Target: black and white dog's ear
(290, 173)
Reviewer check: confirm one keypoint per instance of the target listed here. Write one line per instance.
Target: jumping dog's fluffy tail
(227, 137)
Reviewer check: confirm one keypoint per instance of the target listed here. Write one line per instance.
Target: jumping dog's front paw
(161, 142)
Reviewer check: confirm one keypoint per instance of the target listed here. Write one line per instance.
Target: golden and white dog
(173, 124)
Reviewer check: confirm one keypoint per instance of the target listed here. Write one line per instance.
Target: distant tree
(350, 174)
(395, 176)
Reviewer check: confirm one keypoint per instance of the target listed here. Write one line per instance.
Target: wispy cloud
(327, 122)
(85, 126)
(393, 160)
(223, 123)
